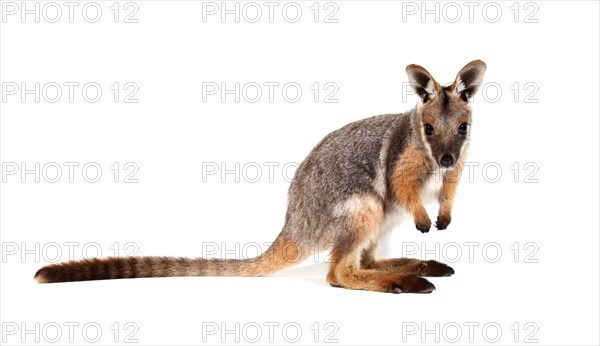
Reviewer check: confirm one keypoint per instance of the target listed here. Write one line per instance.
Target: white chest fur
(429, 193)
(432, 186)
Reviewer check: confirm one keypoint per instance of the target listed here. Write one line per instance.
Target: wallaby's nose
(447, 161)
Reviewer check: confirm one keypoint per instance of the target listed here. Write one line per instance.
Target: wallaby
(345, 195)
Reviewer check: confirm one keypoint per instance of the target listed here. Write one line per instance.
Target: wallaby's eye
(462, 129)
(428, 129)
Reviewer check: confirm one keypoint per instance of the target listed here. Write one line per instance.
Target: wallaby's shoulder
(363, 134)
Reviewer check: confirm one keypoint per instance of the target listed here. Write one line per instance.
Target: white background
(547, 283)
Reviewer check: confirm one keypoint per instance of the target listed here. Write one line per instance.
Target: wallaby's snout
(447, 161)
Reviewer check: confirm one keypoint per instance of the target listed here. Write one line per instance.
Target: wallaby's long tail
(282, 253)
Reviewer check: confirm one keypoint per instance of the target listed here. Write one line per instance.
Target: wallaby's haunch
(345, 196)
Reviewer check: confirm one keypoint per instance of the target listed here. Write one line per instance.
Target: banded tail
(280, 255)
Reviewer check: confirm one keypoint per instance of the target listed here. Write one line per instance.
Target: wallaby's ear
(469, 79)
(422, 82)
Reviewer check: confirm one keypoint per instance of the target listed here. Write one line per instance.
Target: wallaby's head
(443, 115)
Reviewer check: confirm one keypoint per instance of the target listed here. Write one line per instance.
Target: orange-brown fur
(406, 181)
(447, 193)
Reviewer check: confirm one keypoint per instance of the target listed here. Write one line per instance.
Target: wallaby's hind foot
(346, 273)
(372, 280)
(409, 266)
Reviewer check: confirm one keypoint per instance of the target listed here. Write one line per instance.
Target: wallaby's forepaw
(423, 225)
(434, 268)
(443, 221)
(412, 284)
